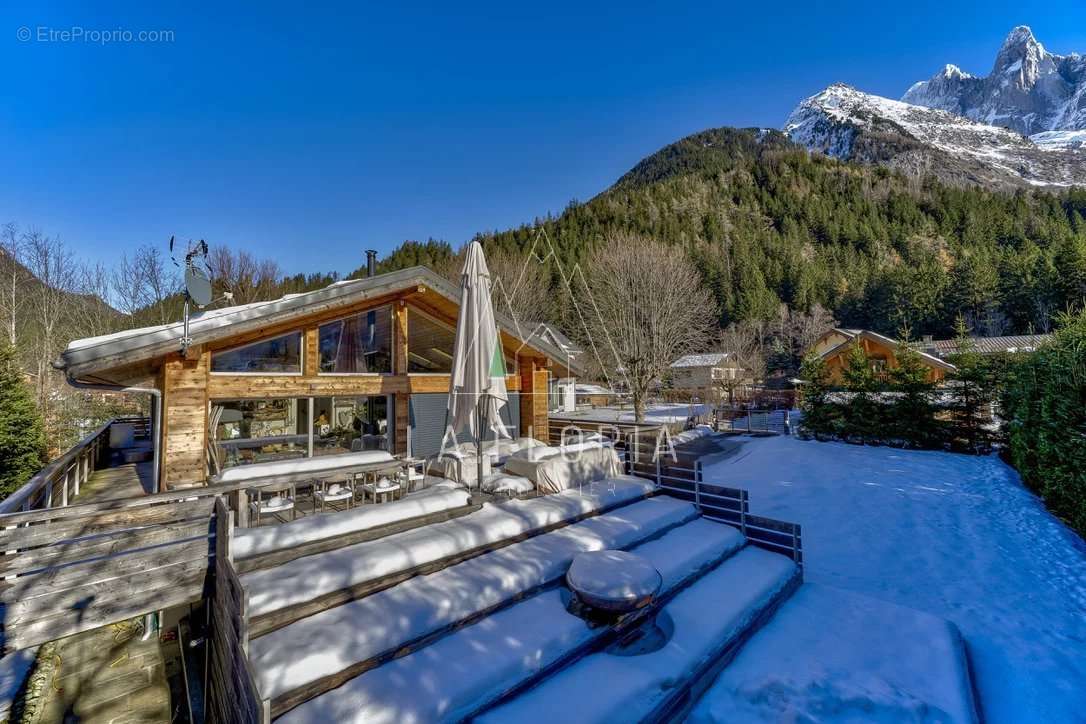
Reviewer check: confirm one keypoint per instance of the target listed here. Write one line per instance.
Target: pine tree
(862, 413)
(820, 415)
(912, 418)
(22, 432)
(972, 391)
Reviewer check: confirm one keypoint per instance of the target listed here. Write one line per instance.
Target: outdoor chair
(271, 500)
(332, 490)
(379, 488)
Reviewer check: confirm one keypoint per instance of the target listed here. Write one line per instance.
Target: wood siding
(184, 416)
(189, 386)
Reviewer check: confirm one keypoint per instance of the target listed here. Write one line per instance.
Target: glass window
(257, 431)
(277, 355)
(350, 424)
(430, 346)
(359, 344)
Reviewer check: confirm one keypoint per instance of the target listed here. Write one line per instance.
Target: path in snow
(953, 535)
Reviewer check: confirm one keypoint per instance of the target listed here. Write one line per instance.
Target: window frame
(391, 342)
(431, 318)
(262, 340)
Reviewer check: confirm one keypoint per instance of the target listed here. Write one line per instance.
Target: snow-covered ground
(952, 535)
(830, 655)
(669, 412)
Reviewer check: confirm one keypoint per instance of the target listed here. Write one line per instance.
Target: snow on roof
(986, 345)
(700, 360)
(135, 345)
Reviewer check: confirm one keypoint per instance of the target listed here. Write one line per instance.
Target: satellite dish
(197, 285)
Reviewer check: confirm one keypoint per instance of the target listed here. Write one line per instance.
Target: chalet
(701, 371)
(835, 346)
(1012, 344)
(361, 364)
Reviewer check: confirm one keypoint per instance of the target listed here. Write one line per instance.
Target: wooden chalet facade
(835, 346)
(360, 364)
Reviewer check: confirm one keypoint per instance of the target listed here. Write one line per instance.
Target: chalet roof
(710, 359)
(92, 354)
(852, 334)
(555, 335)
(985, 345)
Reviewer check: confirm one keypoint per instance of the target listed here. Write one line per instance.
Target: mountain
(854, 126)
(1029, 90)
(769, 224)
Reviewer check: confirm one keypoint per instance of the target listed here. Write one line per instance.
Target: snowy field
(952, 535)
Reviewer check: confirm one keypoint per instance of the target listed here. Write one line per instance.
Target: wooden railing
(60, 481)
(71, 569)
(233, 696)
(645, 452)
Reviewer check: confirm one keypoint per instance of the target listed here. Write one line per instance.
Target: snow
(615, 580)
(605, 687)
(864, 661)
(669, 412)
(254, 541)
(317, 465)
(508, 484)
(829, 121)
(313, 576)
(1060, 139)
(464, 670)
(14, 668)
(334, 639)
(700, 360)
(955, 536)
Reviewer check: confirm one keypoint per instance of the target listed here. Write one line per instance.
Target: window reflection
(277, 355)
(358, 344)
(350, 424)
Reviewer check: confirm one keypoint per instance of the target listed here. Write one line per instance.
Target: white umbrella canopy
(477, 384)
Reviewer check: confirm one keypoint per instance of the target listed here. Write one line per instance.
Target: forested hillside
(769, 223)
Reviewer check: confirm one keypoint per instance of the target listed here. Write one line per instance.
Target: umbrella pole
(479, 417)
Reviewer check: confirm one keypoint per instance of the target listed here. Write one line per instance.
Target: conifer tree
(971, 392)
(22, 433)
(912, 418)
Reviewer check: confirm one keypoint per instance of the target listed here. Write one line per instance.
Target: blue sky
(310, 132)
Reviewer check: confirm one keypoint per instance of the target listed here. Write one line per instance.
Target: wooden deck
(125, 480)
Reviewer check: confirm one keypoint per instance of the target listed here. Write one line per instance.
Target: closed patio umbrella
(477, 384)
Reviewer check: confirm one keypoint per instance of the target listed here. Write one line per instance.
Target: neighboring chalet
(935, 354)
(360, 364)
(561, 395)
(703, 371)
(835, 345)
(944, 348)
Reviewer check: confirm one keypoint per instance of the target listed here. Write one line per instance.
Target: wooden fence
(76, 568)
(233, 696)
(59, 482)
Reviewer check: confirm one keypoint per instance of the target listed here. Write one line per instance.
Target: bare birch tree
(248, 278)
(50, 260)
(15, 280)
(647, 307)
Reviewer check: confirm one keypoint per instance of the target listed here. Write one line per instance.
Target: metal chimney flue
(371, 262)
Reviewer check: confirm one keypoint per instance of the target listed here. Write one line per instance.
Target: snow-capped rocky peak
(849, 124)
(1029, 90)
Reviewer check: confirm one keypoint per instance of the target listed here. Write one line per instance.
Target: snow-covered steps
(273, 545)
(831, 655)
(302, 587)
(463, 671)
(706, 621)
(322, 651)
